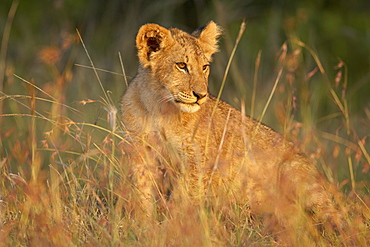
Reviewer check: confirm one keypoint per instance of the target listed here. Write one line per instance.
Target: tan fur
(178, 129)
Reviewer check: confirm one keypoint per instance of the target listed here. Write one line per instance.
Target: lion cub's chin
(189, 108)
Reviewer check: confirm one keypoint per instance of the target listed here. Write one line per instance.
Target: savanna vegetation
(301, 67)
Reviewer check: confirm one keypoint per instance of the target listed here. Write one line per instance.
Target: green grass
(64, 180)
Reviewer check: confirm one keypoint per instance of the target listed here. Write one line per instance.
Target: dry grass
(64, 182)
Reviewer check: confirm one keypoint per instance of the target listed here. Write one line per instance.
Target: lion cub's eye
(205, 67)
(182, 66)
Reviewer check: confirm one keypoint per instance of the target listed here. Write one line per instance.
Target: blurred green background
(335, 29)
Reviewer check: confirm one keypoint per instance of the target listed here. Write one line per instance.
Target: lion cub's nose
(199, 95)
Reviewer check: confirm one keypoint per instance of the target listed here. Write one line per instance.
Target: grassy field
(63, 181)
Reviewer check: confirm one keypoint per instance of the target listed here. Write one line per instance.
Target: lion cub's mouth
(189, 103)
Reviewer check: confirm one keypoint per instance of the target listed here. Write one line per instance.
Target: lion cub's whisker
(166, 98)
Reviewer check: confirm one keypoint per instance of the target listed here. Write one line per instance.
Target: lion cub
(179, 130)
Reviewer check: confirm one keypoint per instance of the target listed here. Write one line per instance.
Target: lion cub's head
(178, 62)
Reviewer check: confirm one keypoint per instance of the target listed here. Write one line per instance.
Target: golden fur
(178, 129)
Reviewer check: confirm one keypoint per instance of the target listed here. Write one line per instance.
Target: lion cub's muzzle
(190, 102)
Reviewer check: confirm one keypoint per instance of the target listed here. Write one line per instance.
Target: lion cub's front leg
(150, 176)
(142, 177)
(141, 201)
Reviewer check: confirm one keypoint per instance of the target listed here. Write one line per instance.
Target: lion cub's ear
(151, 38)
(207, 37)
